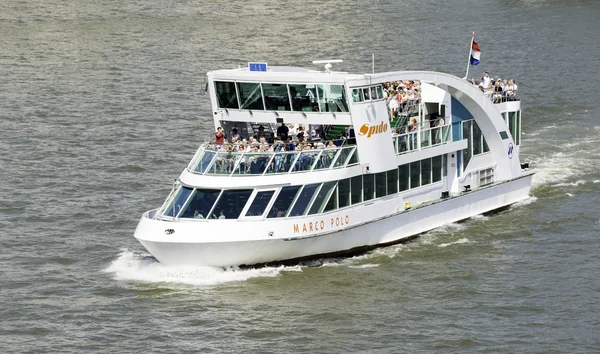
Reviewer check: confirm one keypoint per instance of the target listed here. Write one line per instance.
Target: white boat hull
(201, 243)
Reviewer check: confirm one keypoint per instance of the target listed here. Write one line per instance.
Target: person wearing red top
(219, 136)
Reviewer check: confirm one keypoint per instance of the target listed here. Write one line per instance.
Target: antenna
(328, 63)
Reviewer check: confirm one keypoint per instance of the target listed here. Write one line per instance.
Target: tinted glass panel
(304, 97)
(380, 184)
(518, 129)
(379, 91)
(392, 181)
(477, 137)
(259, 204)
(325, 159)
(332, 98)
(332, 204)
(357, 95)
(321, 198)
(344, 192)
(230, 204)
(204, 161)
(283, 202)
(467, 151)
(226, 96)
(178, 202)
(511, 124)
(403, 177)
(304, 199)
(366, 93)
(250, 96)
(353, 159)
(368, 187)
(200, 203)
(436, 168)
(276, 97)
(425, 171)
(356, 189)
(415, 174)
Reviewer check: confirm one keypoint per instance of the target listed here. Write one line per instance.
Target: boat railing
(212, 159)
(500, 97)
(405, 142)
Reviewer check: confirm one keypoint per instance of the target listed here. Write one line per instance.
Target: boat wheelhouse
(364, 173)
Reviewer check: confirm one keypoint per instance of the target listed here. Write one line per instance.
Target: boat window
(343, 156)
(306, 161)
(325, 159)
(415, 174)
(332, 98)
(204, 161)
(304, 97)
(357, 95)
(477, 141)
(425, 172)
(512, 119)
(332, 204)
(224, 162)
(373, 93)
(379, 90)
(368, 187)
(304, 199)
(380, 185)
(354, 158)
(467, 135)
(436, 168)
(259, 204)
(403, 178)
(276, 97)
(518, 129)
(178, 202)
(254, 164)
(226, 96)
(344, 193)
(356, 189)
(231, 203)
(282, 162)
(284, 200)
(321, 198)
(200, 203)
(250, 96)
(392, 181)
(366, 93)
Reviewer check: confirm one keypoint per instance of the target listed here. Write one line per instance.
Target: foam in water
(523, 202)
(458, 242)
(132, 266)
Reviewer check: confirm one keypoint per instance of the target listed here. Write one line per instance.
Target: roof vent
(328, 63)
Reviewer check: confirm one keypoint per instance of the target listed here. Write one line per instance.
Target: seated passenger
(197, 215)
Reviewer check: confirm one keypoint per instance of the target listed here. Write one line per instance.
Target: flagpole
(469, 58)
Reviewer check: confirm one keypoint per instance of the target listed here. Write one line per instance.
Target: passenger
(219, 137)
(235, 136)
(282, 132)
(261, 132)
(290, 146)
(197, 215)
(221, 215)
(486, 80)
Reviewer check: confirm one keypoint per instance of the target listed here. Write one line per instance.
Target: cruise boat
(362, 175)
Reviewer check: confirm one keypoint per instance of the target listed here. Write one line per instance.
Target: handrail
(422, 139)
(208, 160)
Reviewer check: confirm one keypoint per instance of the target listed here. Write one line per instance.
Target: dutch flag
(475, 53)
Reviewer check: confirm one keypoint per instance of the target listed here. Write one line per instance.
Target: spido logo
(369, 130)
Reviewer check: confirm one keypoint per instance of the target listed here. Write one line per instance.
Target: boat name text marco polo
(322, 224)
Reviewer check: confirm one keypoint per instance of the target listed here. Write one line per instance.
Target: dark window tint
(200, 203)
(392, 181)
(204, 161)
(304, 199)
(436, 168)
(231, 203)
(477, 137)
(425, 172)
(368, 187)
(226, 96)
(403, 177)
(276, 97)
(304, 97)
(283, 202)
(415, 174)
(250, 96)
(321, 198)
(344, 192)
(332, 204)
(467, 135)
(356, 189)
(259, 204)
(178, 202)
(380, 184)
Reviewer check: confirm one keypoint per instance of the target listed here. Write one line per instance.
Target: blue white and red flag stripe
(475, 53)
